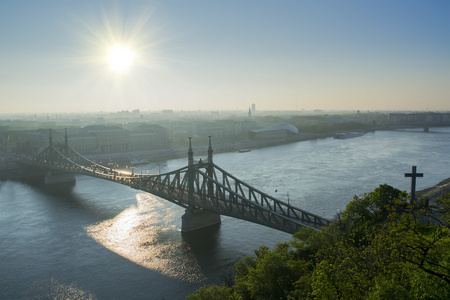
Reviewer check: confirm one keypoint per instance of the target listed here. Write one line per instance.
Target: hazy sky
(224, 55)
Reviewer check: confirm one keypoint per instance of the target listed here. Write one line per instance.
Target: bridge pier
(194, 220)
(59, 178)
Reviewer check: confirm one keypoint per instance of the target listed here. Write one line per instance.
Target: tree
(421, 236)
(402, 253)
(373, 207)
(223, 292)
(378, 248)
(271, 274)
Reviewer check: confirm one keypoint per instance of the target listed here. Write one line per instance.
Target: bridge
(204, 189)
(425, 125)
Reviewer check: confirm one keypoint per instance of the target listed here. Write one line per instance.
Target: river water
(102, 240)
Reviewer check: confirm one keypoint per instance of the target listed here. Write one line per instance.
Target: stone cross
(413, 176)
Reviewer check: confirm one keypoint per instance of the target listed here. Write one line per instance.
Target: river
(102, 240)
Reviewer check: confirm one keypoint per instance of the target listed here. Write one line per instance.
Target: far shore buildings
(141, 136)
(104, 139)
(280, 131)
(420, 118)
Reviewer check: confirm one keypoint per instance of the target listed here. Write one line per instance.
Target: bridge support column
(50, 138)
(194, 220)
(210, 169)
(59, 178)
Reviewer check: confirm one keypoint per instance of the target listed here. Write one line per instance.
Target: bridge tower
(50, 138)
(66, 142)
(55, 177)
(66, 138)
(190, 170)
(210, 170)
(194, 218)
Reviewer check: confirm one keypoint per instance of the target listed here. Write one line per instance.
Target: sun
(120, 58)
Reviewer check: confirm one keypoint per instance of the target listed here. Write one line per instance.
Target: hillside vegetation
(378, 248)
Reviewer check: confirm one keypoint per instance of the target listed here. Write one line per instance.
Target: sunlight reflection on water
(147, 236)
(53, 289)
(108, 241)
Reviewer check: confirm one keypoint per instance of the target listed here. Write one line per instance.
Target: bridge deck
(197, 186)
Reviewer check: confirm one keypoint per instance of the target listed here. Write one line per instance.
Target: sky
(55, 56)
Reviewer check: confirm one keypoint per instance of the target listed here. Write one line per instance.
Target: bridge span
(204, 189)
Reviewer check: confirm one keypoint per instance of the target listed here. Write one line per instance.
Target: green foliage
(272, 274)
(213, 292)
(373, 208)
(379, 248)
(422, 238)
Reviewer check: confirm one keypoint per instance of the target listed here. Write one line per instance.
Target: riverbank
(11, 170)
(158, 155)
(435, 191)
(200, 148)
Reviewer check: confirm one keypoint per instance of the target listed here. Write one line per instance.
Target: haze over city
(87, 56)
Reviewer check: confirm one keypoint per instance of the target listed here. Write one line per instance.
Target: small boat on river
(348, 135)
(244, 150)
(139, 161)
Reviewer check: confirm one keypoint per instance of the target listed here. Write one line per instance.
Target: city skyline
(201, 55)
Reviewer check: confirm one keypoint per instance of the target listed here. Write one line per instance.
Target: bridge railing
(214, 189)
(83, 161)
(171, 186)
(241, 197)
(69, 160)
(266, 200)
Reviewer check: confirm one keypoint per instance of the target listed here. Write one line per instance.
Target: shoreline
(11, 170)
(436, 191)
(159, 155)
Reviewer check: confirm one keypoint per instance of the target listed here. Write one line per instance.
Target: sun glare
(120, 58)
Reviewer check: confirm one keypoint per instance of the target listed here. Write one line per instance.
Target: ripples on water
(324, 175)
(101, 240)
(147, 235)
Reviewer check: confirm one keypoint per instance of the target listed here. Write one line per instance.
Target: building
(39, 139)
(110, 139)
(83, 142)
(147, 137)
(280, 131)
